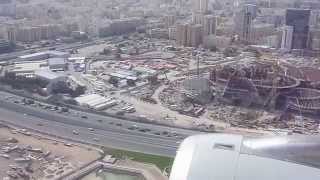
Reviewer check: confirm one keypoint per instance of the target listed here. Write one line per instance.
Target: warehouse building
(128, 75)
(27, 69)
(95, 101)
(57, 64)
(44, 55)
(48, 76)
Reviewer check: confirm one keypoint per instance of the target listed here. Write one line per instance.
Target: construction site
(259, 95)
(27, 155)
(271, 86)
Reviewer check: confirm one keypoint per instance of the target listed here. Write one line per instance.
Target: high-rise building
(195, 35)
(243, 21)
(189, 35)
(28, 34)
(50, 31)
(197, 18)
(200, 6)
(287, 36)
(314, 42)
(210, 23)
(11, 34)
(315, 18)
(299, 20)
(5, 46)
(169, 20)
(7, 7)
(172, 31)
(181, 34)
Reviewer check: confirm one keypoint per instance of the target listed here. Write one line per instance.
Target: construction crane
(275, 83)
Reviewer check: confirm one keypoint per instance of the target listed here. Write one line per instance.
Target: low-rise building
(44, 55)
(144, 70)
(129, 75)
(48, 76)
(158, 33)
(95, 101)
(27, 69)
(57, 64)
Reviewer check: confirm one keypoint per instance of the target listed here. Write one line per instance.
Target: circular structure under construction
(304, 100)
(261, 77)
(198, 90)
(256, 83)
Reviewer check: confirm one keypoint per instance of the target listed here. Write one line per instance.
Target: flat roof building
(48, 75)
(28, 68)
(44, 55)
(95, 101)
(129, 75)
(57, 63)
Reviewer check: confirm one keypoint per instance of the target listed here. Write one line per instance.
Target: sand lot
(40, 157)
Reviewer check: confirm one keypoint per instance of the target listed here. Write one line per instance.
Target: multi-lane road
(106, 131)
(59, 47)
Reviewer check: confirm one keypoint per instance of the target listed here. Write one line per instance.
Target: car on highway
(75, 132)
(144, 130)
(133, 127)
(165, 133)
(91, 129)
(96, 139)
(175, 134)
(68, 144)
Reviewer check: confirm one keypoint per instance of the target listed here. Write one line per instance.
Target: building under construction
(304, 100)
(268, 85)
(198, 90)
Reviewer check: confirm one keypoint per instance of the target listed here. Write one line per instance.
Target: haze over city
(155, 89)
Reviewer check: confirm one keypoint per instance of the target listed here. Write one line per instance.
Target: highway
(108, 131)
(59, 47)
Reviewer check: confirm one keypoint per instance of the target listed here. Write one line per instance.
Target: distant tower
(249, 14)
(189, 35)
(181, 34)
(7, 7)
(243, 21)
(200, 6)
(299, 20)
(169, 20)
(195, 35)
(287, 36)
(210, 24)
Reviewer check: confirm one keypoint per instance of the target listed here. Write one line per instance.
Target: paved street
(109, 131)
